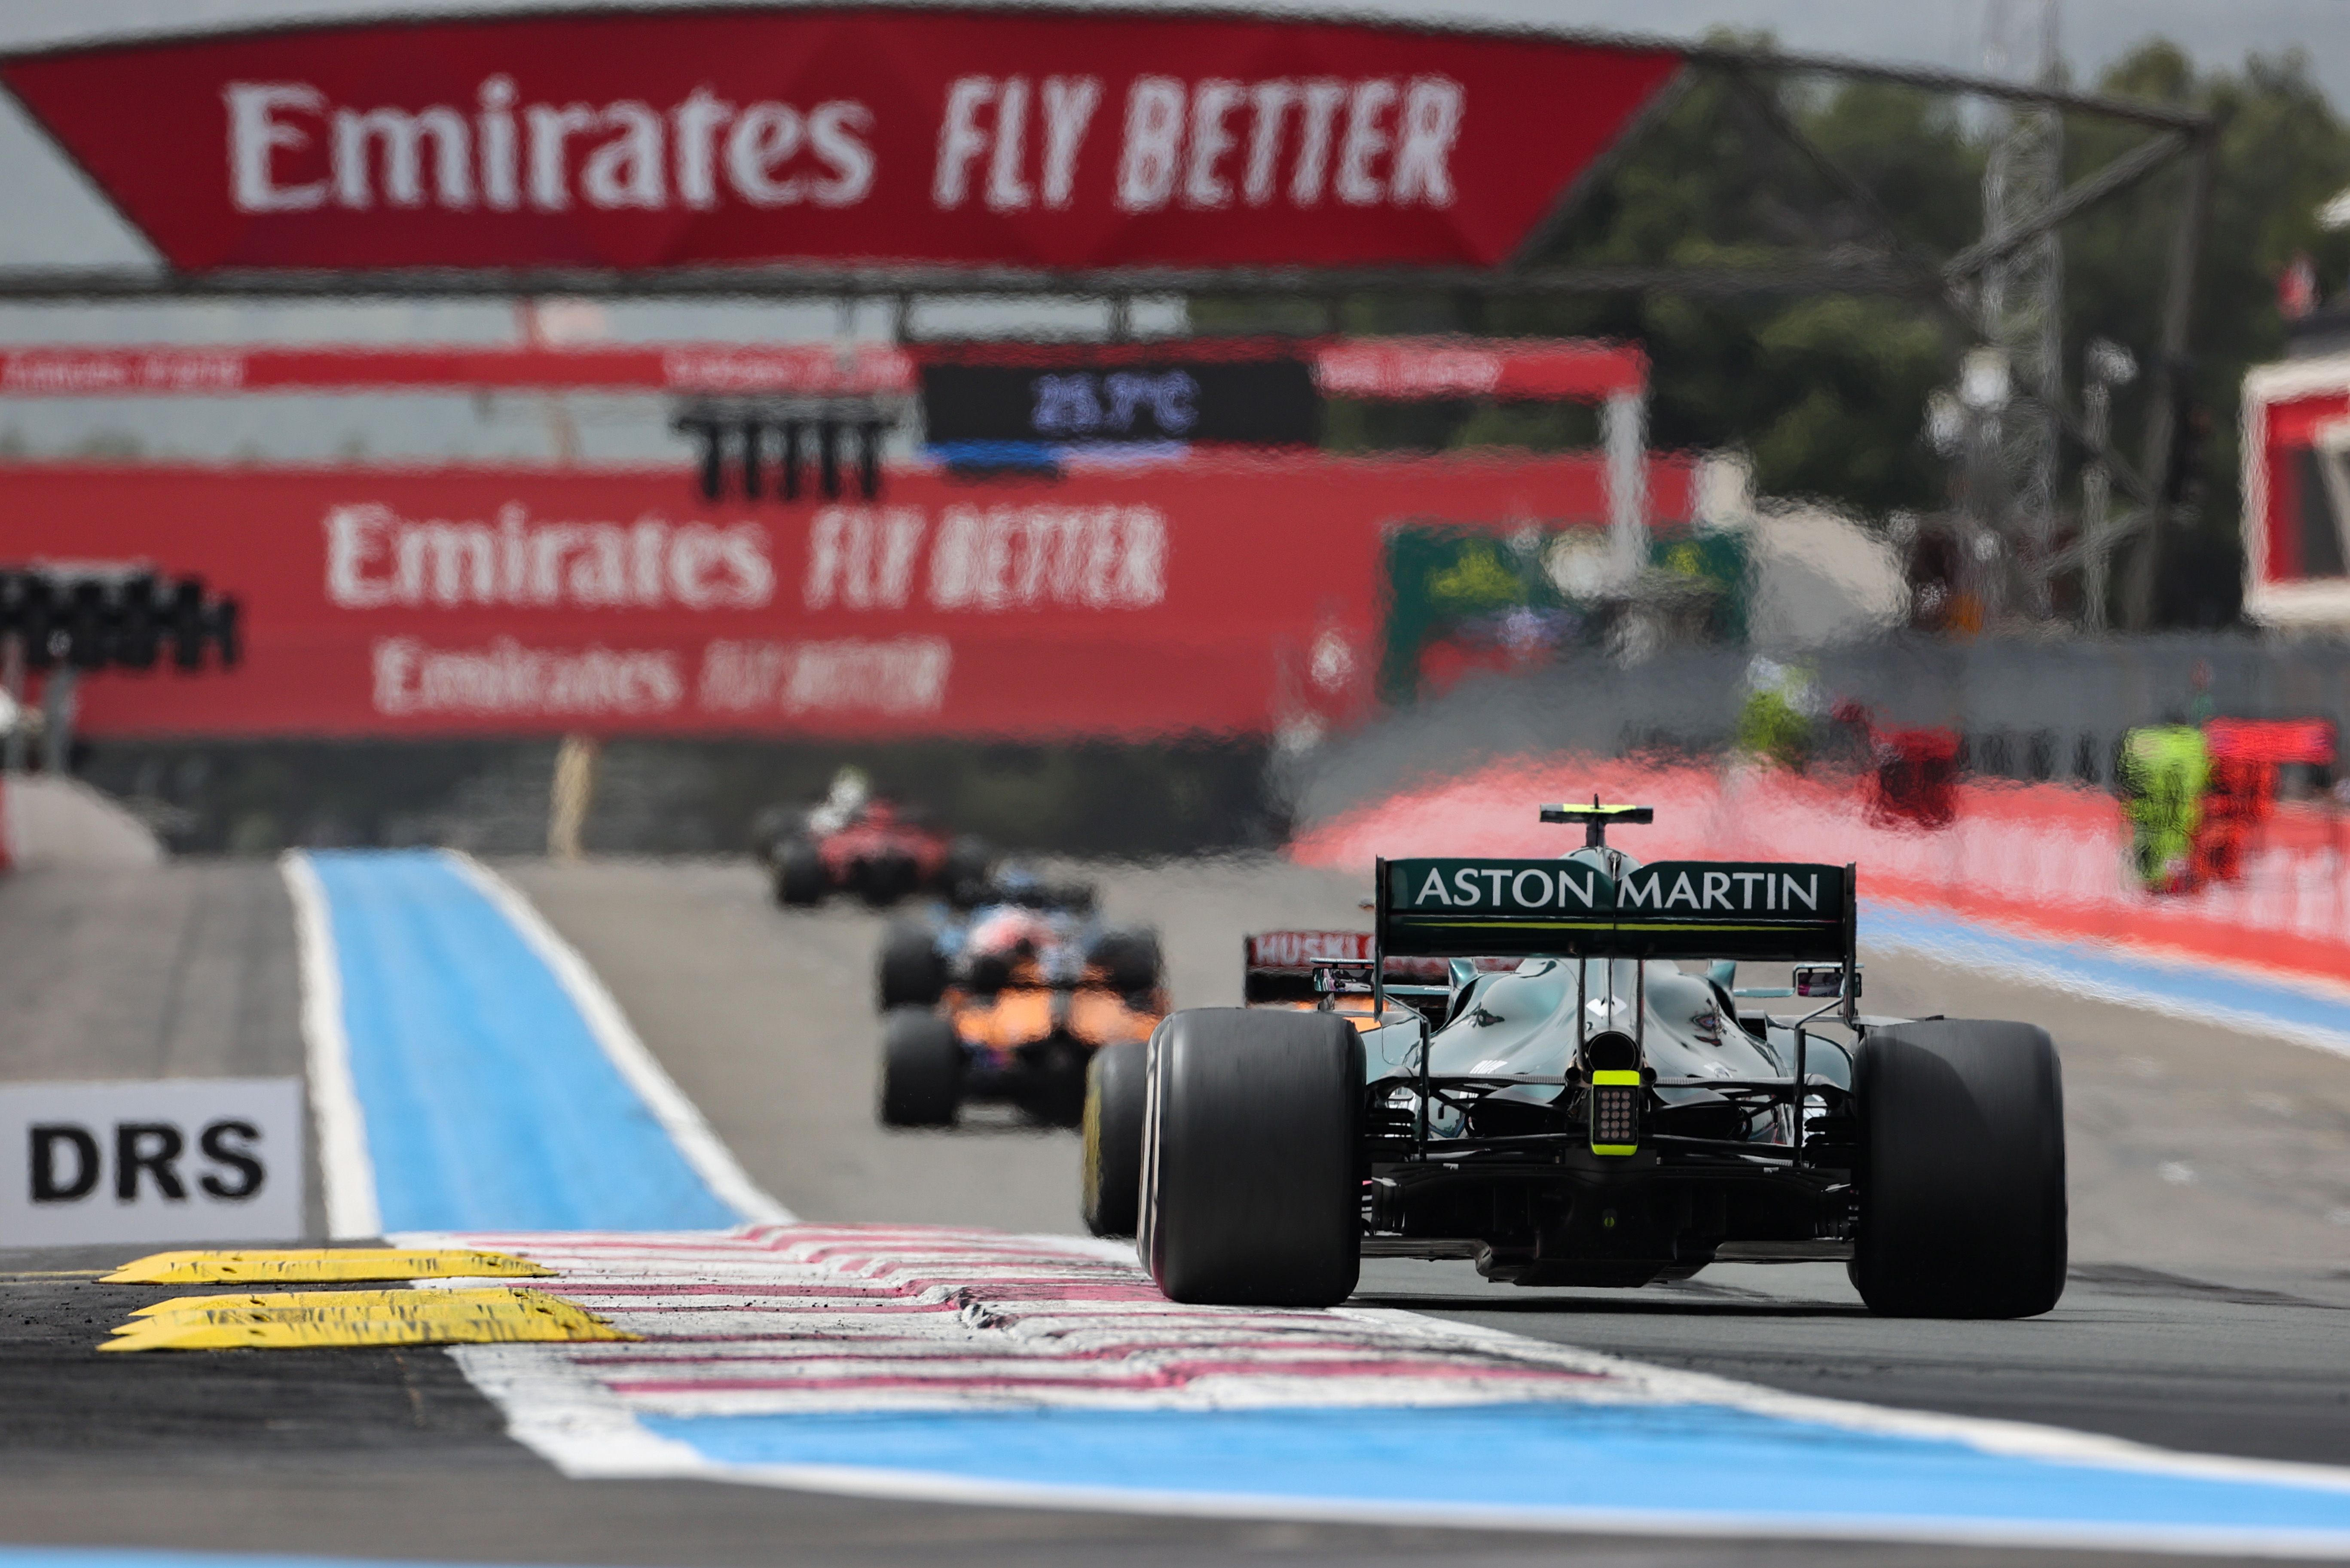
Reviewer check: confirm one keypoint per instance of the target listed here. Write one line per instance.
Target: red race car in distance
(874, 848)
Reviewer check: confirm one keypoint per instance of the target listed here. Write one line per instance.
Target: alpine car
(1598, 1115)
(855, 843)
(1009, 1002)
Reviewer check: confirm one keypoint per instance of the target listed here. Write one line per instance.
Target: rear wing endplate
(1771, 911)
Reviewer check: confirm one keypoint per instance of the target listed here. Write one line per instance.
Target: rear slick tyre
(1117, 1092)
(1961, 1170)
(799, 876)
(921, 1070)
(1251, 1195)
(913, 973)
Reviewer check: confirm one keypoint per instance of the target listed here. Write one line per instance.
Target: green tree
(2282, 151)
(1829, 391)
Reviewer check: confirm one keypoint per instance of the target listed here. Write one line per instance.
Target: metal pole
(1582, 1003)
(2105, 365)
(574, 791)
(1923, 270)
(1802, 1072)
(1624, 433)
(12, 673)
(2096, 486)
(2161, 418)
(56, 721)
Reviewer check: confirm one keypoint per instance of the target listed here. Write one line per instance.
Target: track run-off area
(860, 1345)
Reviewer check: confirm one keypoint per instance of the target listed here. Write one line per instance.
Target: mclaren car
(1009, 1001)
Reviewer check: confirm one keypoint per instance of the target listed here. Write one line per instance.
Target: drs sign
(215, 1159)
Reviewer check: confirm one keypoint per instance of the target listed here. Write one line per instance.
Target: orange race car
(856, 842)
(1010, 1004)
(1324, 971)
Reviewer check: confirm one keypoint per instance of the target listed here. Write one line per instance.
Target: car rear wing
(1767, 910)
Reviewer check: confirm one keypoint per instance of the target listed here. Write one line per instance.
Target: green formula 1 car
(1612, 1110)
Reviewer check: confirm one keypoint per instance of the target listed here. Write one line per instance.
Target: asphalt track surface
(2210, 1181)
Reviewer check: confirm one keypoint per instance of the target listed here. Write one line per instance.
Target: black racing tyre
(1129, 960)
(913, 973)
(884, 880)
(1050, 1086)
(921, 1070)
(1250, 1193)
(1961, 1170)
(1118, 1088)
(799, 874)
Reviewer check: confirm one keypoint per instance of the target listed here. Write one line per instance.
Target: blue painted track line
(142, 1557)
(1685, 1463)
(2309, 1014)
(488, 1103)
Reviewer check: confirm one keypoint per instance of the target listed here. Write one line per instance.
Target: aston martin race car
(854, 842)
(1009, 1002)
(1612, 1111)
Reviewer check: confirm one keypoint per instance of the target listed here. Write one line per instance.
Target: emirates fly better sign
(1017, 137)
(1689, 908)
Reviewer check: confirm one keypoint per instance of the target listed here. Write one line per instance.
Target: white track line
(679, 1117)
(656, 1458)
(1987, 953)
(345, 1167)
(567, 1413)
(1985, 1434)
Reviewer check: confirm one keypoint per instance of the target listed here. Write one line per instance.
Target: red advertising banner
(1385, 368)
(1405, 369)
(2294, 529)
(69, 370)
(1225, 596)
(1012, 138)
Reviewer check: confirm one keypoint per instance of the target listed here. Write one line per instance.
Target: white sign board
(175, 1159)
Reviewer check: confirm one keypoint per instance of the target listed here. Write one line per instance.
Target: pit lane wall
(62, 824)
(1220, 595)
(2047, 858)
